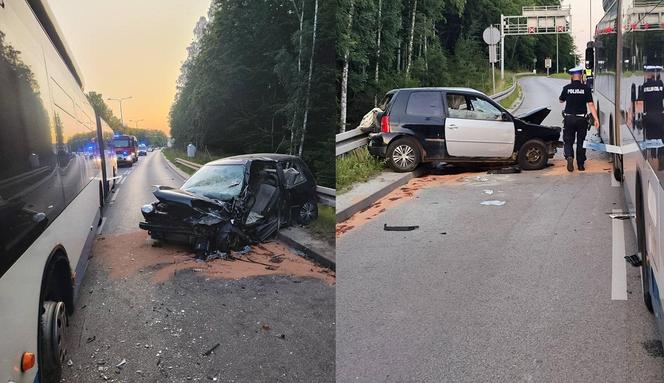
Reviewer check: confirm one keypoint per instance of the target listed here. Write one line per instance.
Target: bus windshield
(121, 143)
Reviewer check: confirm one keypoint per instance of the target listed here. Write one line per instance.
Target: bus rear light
(27, 361)
(385, 124)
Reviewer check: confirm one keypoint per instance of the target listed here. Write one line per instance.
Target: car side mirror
(505, 116)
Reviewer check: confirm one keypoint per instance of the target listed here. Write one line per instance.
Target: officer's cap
(652, 68)
(576, 70)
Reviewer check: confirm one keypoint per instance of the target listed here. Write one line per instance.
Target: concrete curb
(179, 171)
(316, 256)
(367, 201)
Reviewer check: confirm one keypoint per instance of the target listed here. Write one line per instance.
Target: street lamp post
(136, 122)
(120, 101)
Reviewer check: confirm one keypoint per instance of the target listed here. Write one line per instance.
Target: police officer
(652, 96)
(651, 93)
(577, 98)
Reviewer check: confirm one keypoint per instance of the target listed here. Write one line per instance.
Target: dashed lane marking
(99, 229)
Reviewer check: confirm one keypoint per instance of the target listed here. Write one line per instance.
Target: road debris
(91, 339)
(211, 350)
(400, 228)
(492, 203)
(487, 191)
(122, 363)
(633, 260)
(506, 170)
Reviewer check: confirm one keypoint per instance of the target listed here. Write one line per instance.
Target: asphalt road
(269, 329)
(515, 293)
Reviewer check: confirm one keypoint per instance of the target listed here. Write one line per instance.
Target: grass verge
(356, 166)
(324, 227)
(509, 100)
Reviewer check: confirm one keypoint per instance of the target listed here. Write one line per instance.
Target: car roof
(441, 89)
(244, 158)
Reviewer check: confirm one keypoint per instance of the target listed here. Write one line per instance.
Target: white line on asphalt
(115, 195)
(614, 183)
(123, 180)
(618, 264)
(103, 221)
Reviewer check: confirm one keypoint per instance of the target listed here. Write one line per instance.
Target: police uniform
(576, 96)
(652, 95)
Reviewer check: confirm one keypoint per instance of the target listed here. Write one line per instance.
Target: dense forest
(386, 44)
(260, 77)
(146, 136)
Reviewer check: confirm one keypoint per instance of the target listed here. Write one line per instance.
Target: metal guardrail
(326, 196)
(355, 138)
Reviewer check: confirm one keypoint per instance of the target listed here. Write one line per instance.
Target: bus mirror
(590, 56)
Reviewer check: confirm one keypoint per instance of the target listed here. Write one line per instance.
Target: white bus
(624, 48)
(55, 170)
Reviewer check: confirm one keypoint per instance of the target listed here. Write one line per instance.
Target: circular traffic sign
(491, 35)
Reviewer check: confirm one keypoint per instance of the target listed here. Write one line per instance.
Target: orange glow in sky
(131, 48)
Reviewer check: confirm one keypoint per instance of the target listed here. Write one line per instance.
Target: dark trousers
(575, 127)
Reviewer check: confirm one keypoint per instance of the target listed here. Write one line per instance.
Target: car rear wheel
(53, 350)
(308, 213)
(403, 155)
(533, 155)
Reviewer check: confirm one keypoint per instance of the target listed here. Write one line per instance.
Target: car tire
(403, 155)
(641, 238)
(533, 155)
(307, 213)
(52, 341)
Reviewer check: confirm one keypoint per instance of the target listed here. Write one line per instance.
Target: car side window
(425, 104)
(293, 174)
(471, 107)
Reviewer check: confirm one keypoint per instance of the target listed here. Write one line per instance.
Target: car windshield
(222, 182)
(120, 143)
(141, 146)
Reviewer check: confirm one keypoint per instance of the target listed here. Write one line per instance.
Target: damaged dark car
(233, 202)
(459, 125)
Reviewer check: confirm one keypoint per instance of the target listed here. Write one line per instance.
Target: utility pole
(502, 47)
(120, 101)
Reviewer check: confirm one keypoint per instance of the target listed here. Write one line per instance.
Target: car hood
(535, 116)
(168, 194)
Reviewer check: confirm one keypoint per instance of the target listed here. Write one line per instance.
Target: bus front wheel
(53, 349)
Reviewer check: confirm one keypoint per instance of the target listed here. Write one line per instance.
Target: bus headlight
(147, 209)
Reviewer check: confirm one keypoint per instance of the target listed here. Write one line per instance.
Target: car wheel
(403, 155)
(308, 213)
(641, 246)
(53, 350)
(533, 155)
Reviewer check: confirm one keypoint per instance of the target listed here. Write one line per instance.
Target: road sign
(493, 55)
(491, 35)
(547, 62)
(531, 29)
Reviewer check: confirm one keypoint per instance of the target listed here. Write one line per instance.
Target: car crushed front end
(243, 212)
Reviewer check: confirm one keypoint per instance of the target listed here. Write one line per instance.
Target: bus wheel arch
(641, 244)
(56, 304)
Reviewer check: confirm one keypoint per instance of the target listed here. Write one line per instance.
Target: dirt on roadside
(126, 255)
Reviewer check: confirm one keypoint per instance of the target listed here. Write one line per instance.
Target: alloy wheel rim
(533, 155)
(403, 156)
(307, 211)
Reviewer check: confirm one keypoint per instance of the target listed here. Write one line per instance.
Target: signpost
(547, 65)
(537, 19)
(492, 36)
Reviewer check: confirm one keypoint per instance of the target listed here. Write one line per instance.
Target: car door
(424, 115)
(475, 127)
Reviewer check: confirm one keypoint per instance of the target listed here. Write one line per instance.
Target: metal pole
(493, 76)
(590, 22)
(502, 48)
(619, 62)
(121, 117)
(557, 69)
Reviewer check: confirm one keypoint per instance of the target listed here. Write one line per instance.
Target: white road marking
(103, 221)
(115, 195)
(618, 264)
(123, 180)
(614, 183)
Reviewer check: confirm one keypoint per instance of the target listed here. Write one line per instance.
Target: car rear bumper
(377, 145)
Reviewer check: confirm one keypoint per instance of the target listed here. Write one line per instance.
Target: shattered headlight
(147, 209)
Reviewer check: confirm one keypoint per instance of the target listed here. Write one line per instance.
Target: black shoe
(581, 168)
(570, 164)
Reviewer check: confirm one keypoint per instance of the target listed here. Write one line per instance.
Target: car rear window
(426, 104)
(386, 101)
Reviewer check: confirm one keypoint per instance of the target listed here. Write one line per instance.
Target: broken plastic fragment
(245, 250)
(492, 203)
(633, 260)
(488, 191)
(122, 363)
(400, 228)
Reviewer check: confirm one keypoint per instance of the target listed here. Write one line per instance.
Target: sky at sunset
(131, 48)
(581, 21)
